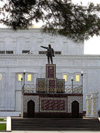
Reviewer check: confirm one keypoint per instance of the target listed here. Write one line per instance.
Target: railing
(74, 90)
(31, 88)
(7, 122)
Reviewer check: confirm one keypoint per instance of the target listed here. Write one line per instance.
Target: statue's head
(49, 46)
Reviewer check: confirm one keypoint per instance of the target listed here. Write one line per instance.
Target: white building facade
(20, 52)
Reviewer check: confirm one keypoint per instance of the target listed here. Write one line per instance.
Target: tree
(59, 16)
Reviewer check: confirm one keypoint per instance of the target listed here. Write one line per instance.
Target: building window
(57, 52)
(44, 52)
(2, 52)
(65, 77)
(77, 78)
(19, 77)
(9, 52)
(29, 77)
(25, 51)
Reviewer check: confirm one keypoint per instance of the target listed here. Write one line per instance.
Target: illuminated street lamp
(0, 86)
(72, 83)
(82, 80)
(0, 76)
(23, 78)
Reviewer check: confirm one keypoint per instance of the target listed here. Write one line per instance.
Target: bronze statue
(49, 54)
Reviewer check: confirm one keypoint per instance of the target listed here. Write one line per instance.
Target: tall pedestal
(50, 76)
(50, 71)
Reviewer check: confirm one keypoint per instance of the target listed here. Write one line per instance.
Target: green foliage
(1, 119)
(59, 16)
(3, 127)
(99, 113)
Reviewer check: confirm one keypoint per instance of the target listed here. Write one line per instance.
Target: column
(94, 101)
(88, 105)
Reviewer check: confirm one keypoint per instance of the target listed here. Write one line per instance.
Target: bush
(99, 113)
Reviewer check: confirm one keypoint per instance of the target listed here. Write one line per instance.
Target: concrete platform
(53, 132)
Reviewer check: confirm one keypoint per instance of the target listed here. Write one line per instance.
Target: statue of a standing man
(49, 54)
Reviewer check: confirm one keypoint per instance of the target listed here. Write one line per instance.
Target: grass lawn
(3, 127)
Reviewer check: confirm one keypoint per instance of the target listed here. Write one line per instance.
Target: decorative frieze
(17, 56)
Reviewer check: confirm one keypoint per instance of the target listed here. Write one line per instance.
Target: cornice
(23, 30)
(43, 67)
(31, 56)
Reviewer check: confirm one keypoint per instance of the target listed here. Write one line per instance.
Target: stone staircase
(55, 124)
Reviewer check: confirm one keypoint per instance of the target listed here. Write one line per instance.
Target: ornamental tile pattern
(60, 85)
(79, 99)
(94, 106)
(51, 85)
(41, 84)
(89, 106)
(53, 105)
(26, 99)
(50, 71)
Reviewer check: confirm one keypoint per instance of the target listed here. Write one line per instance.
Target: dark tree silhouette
(59, 16)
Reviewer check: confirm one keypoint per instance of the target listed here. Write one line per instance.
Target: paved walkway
(52, 132)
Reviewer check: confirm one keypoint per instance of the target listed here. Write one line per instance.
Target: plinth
(50, 84)
(50, 71)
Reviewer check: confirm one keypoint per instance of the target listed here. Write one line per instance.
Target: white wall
(36, 66)
(32, 39)
(71, 62)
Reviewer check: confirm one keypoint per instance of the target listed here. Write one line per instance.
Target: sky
(92, 46)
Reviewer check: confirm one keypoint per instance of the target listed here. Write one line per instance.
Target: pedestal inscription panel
(51, 85)
(52, 105)
(50, 71)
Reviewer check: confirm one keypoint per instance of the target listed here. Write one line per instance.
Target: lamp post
(0, 76)
(21, 82)
(22, 98)
(82, 80)
(0, 87)
(72, 83)
(22, 79)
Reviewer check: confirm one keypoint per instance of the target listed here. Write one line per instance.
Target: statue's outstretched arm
(44, 47)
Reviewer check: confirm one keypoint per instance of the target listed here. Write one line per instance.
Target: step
(55, 124)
